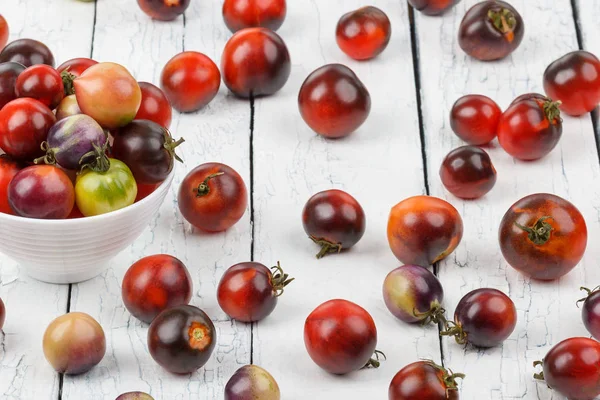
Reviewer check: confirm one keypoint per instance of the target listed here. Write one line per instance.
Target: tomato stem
(280, 279)
(552, 110)
(68, 79)
(99, 160)
(455, 330)
(504, 21)
(589, 292)
(375, 362)
(203, 189)
(435, 315)
(170, 144)
(539, 376)
(326, 247)
(49, 158)
(540, 232)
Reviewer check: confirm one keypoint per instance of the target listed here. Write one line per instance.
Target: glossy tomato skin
(574, 79)
(41, 82)
(557, 241)
(423, 230)
(334, 220)
(24, 125)
(9, 72)
(41, 191)
(252, 382)
(155, 105)
(333, 101)
(468, 173)
(571, 368)
(491, 30)
(432, 7)
(103, 85)
(364, 33)
(76, 66)
(27, 52)
(67, 108)
(474, 118)
(590, 313)
(340, 336)
(242, 14)
(4, 31)
(155, 283)
(2, 314)
(8, 169)
(213, 197)
(181, 339)
(423, 380)
(135, 396)
(163, 10)
(190, 81)
(255, 62)
(530, 129)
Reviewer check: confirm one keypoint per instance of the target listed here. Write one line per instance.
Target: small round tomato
(213, 197)
(163, 10)
(9, 72)
(8, 169)
(181, 339)
(252, 382)
(67, 108)
(424, 380)
(249, 291)
(41, 82)
(24, 125)
(98, 192)
(190, 80)
(334, 220)
(135, 396)
(155, 105)
(145, 191)
(474, 119)
(27, 52)
(574, 79)
(543, 236)
(530, 128)
(155, 283)
(571, 368)
(41, 191)
(104, 85)
(590, 312)
(423, 230)
(3, 32)
(432, 7)
(484, 318)
(467, 172)
(341, 337)
(364, 33)
(2, 314)
(71, 69)
(242, 14)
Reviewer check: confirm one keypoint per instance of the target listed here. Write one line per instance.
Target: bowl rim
(91, 220)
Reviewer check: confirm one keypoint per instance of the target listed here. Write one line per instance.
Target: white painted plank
(218, 133)
(380, 165)
(546, 312)
(66, 27)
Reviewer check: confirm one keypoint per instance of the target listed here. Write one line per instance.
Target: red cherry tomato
(3, 32)
(145, 191)
(474, 119)
(41, 82)
(340, 337)
(24, 125)
(467, 172)
(163, 10)
(424, 380)
(8, 169)
(571, 368)
(364, 33)
(155, 105)
(9, 72)
(530, 128)
(76, 66)
(248, 291)
(241, 14)
(574, 79)
(2, 314)
(213, 197)
(190, 80)
(155, 283)
(75, 213)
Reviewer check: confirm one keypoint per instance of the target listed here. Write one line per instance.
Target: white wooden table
(396, 154)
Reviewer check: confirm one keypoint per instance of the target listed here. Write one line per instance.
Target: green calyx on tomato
(99, 193)
(96, 160)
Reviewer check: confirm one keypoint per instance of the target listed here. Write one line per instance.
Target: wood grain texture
(546, 311)
(32, 305)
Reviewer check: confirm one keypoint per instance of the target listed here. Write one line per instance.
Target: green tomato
(103, 192)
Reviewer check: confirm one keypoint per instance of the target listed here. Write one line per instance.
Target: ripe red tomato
(213, 197)
(41, 82)
(474, 119)
(364, 33)
(9, 72)
(190, 80)
(571, 368)
(145, 191)
(424, 380)
(543, 236)
(249, 291)
(24, 125)
(241, 14)
(8, 169)
(340, 337)
(155, 283)
(2, 314)
(574, 79)
(530, 128)
(155, 105)
(163, 10)
(76, 66)
(3, 32)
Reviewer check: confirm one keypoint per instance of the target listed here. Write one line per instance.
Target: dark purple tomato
(2, 314)
(249, 291)
(413, 294)
(334, 220)
(590, 312)
(9, 72)
(432, 7)
(41, 82)
(135, 396)
(164, 10)
(467, 172)
(252, 382)
(484, 318)
(68, 107)
(27, 52)
(424, 380)
(181, 339)
(43, 192)
(147, 149)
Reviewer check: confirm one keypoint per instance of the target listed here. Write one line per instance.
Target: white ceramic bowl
(74, 250)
